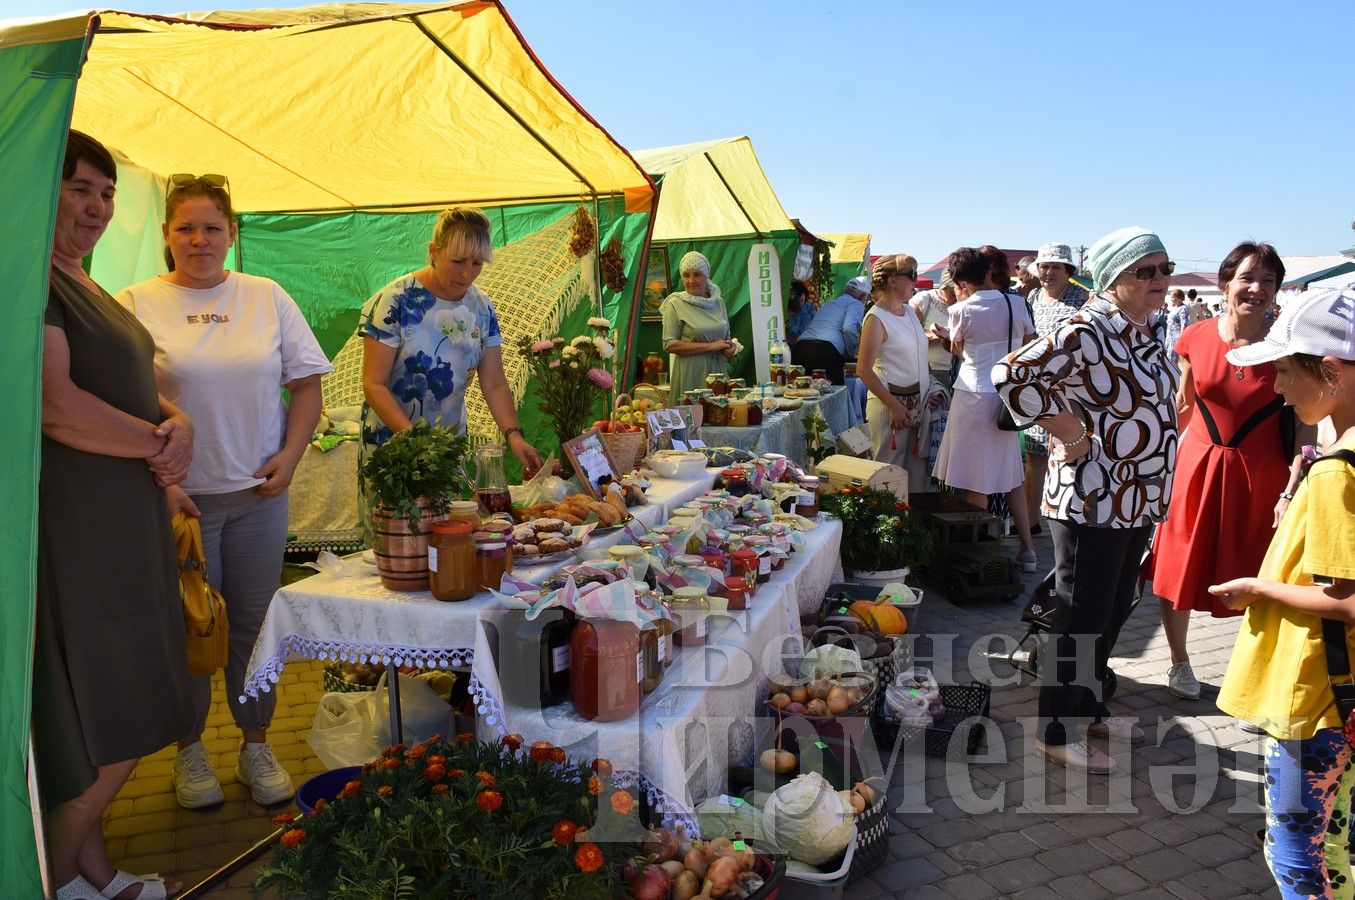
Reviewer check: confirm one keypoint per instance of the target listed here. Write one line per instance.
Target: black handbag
(1005, 422)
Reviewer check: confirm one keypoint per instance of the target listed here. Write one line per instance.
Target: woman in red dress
(1236, 468)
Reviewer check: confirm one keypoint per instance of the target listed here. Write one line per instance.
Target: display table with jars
(784, 431)
(701, 715)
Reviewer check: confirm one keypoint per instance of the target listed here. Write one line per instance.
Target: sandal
(152, 886)
(78, 889)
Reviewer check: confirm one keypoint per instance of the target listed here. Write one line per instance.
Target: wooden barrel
(401, 556)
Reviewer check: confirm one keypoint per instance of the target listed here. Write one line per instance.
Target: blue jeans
(243, 537)
(1308, 797)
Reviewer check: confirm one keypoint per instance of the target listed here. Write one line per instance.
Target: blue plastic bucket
(325, 786)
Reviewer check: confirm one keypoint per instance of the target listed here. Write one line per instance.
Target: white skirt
(975, 454)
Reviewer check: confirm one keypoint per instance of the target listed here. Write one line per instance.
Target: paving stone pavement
(1177, 822)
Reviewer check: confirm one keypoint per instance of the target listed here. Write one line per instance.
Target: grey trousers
(243, 538)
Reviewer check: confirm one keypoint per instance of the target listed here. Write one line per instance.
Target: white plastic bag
(353, 729)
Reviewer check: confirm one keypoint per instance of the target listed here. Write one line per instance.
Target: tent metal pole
(480, 83)
(721, 176)
(423, 205)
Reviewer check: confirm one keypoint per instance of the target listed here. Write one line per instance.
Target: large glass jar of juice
(491, 483)
(606, 669)
(533, 656)
(452, 574)
(653, 368)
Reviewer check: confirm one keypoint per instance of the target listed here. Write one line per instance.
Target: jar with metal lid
(452, 573)
(718, 382)
(606, 669)
(819, 374)
(690, 606)
(735, 591)
(682, 563)
(464, 511)
(735, 481)
(807, 503)
(493, 559)
(658, 545)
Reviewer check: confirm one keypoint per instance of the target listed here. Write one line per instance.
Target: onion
(696, 860)
(673, 867)
(799, 694)
(780, 701)
(720, 876)
(662, 844)
(650, 883)
(686, 886)
(838, 702)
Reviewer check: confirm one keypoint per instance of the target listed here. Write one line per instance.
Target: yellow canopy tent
(341, 127)
(850, 255)
(716, 199)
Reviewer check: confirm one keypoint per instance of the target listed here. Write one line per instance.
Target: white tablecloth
(352, 617)
(784, 432)
(703, 717)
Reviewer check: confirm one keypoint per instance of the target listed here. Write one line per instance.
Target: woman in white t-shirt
(892, 363)
(976, 456)
(226, 344)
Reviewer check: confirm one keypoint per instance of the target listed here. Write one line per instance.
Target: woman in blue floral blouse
(426, 334)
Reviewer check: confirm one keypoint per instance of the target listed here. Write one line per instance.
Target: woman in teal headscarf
(695, 327)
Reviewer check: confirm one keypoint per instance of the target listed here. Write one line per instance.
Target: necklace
(1142, 323)
(1232, 342)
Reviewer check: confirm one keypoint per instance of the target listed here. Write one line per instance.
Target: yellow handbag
(204, 609)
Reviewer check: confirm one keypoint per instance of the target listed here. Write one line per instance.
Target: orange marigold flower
(595, 785)
(557, 754)
(394, 750)
(319, 805)
(486, 779)
(489, 800)
(391, 763)
(437, 759)
(623, 802)
(433, 739)
(563, 832)
(588, 857)
(541, 751)
(416, 751)
(602, 767)
(284, 819)
(465, 737)
(441, 788)
(350, 789)
(293, 837)
(457, 773)
(511, 741)
(385, 790)
(434, 773)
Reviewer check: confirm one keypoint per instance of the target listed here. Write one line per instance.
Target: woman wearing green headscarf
(695, 328)
(1103, 388)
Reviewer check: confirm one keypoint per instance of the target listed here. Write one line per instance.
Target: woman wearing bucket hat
(1052, 303)
(1300, 609)
(695, 327)
(1239, 463)
(1103, 388)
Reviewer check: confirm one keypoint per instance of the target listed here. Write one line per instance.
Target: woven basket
(628, 447)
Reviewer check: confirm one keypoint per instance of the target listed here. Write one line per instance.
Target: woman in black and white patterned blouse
(1103, 388)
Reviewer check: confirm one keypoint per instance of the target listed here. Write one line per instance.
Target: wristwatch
(1286, 495)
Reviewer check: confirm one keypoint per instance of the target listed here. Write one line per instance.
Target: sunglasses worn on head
(181, 180)
(1143, 273)
(910, 274)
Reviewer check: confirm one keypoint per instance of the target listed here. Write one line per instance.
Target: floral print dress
(438, 345)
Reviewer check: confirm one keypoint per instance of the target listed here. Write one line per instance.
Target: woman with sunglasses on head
(110, 681)
(976, 457)
(892, 363)
(1103, 388)
(429, 332)
(1237, 470)
(226, 345)
(1300, 609)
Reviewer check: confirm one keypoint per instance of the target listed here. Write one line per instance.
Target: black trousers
(819, 355)
(1096, 573)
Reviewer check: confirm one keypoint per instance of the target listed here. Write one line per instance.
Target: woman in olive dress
(695, 327)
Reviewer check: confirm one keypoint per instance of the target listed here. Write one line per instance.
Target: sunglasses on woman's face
(910, 274)
(182, 180)
(1143, 273)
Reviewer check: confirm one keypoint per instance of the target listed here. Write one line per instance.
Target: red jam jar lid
(736, 583)
(452, 526)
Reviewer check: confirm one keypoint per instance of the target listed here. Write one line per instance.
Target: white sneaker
(268, 782)
(1077, 755)
(1030, 563)
(195, 784)
(1118, 727)
(1182, 682)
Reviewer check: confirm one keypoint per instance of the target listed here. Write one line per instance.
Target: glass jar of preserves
(606, 669)
(635, 561)
(452, 574)
(767, 561)
(683, 563)
(651, 645)
(735, 481)
(807, 502)
(743, 563)
(716, 559)
(738, 413)
(819, 374)
(493, 559)
(754, 414)
(464, 511)
(690, 606)
(735, 591)
(532, 657)
(718, 382)
(715, 411)
(653, 368)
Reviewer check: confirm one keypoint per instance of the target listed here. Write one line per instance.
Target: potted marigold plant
(410, 480)
(573, 379)
(880, 536)
(459, 819)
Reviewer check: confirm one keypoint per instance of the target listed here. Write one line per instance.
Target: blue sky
(933, 125)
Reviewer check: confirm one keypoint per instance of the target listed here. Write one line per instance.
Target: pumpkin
(881, 615)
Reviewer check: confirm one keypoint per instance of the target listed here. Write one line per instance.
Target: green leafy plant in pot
(409, 481)
(879, 531)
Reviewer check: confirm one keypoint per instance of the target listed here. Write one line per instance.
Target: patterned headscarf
(1119, 250)
(693, 260)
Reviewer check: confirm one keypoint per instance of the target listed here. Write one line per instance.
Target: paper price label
(764, 565)
(432, 559)
(559, 659)
(701, 627)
